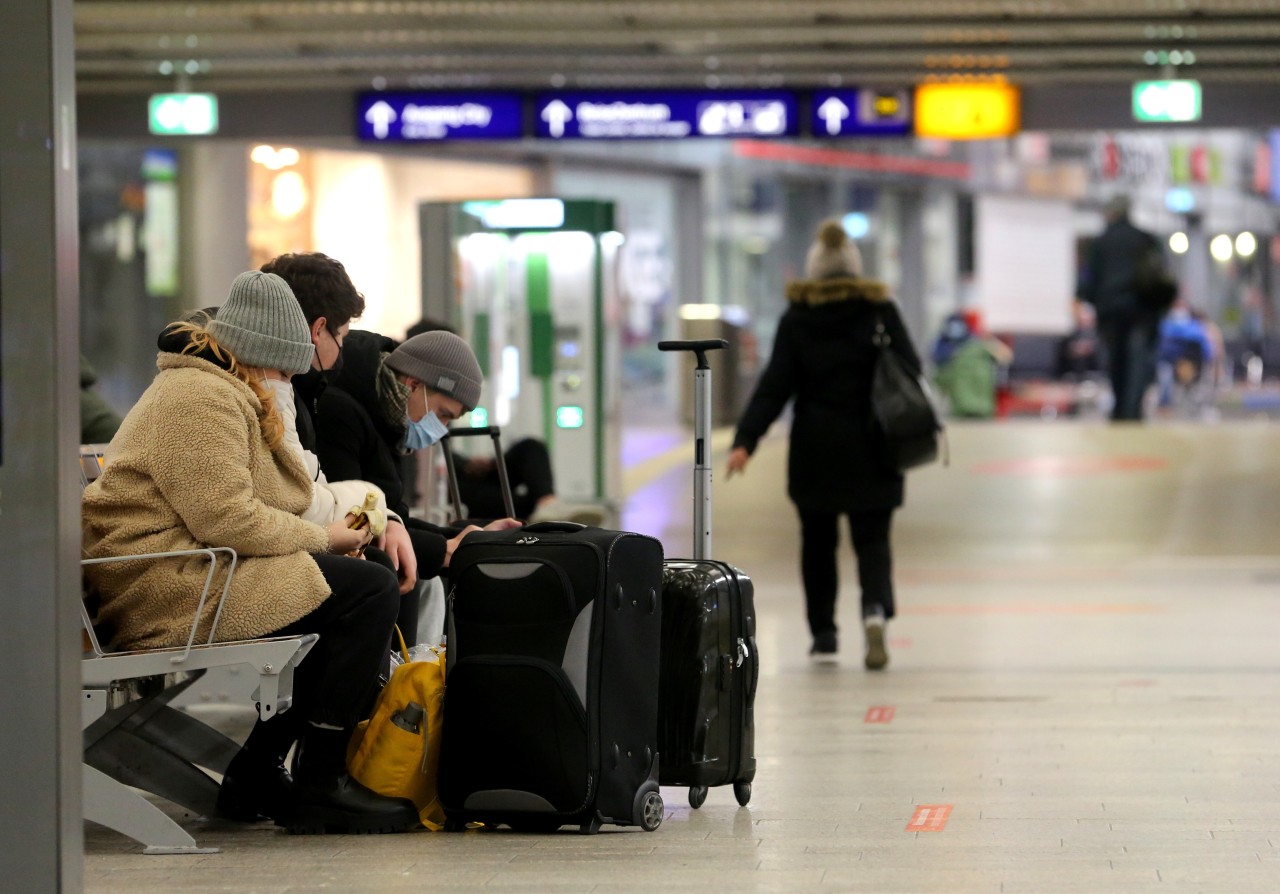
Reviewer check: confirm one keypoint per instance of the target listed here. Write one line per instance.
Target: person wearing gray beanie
(388, 402)
(825, 353)
(200, 462)
(443, 362)
(832, 255)
(262, 325)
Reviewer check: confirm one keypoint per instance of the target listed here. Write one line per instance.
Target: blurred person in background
(1127, 325)
(824, 358)
(1185, 356)
(968, 363)
(529, 475)
(98, 420)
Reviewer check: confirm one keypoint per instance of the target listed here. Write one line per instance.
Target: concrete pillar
(215, 220)
(41, 848)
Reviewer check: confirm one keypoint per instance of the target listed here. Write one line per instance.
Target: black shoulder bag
(1153, 284)
(903, 408)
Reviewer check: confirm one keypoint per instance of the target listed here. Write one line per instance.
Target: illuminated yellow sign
(967, 110)
(887, 105)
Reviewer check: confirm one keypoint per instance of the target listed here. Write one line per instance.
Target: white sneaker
(877, 655)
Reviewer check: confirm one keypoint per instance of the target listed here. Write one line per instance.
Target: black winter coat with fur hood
(823, 359)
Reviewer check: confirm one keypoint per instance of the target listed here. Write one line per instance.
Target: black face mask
(331, 372)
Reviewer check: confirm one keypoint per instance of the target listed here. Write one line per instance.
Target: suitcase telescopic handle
(701, 437)
(697, 346)
(494, 433)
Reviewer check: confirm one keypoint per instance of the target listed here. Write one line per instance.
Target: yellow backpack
(396, 752)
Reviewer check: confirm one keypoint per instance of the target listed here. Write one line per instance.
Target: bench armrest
(213, 553)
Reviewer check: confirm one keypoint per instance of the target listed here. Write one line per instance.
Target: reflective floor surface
(1083, 696)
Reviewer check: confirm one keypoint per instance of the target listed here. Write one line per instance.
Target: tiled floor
(1085, 674)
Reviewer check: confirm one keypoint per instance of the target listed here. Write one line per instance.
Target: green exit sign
(570, 417)
(1166, 101)
(188, 114)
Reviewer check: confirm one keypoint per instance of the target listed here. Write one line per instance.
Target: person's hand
(738, 459)
(452, 544)
(343, 540)
(399, 548)
(503, 524)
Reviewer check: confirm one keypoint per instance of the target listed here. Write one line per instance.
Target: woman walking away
(824, 358)
(201, 461)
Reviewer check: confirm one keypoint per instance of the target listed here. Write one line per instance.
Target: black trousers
(407, 617)
(1131, 362)
(337, 681)
(819, 538)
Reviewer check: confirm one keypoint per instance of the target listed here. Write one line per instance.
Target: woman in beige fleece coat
(201, 461)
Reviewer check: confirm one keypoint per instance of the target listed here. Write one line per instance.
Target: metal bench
(134, 739)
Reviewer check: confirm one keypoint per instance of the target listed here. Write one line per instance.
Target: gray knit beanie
(262, 324)
(832, 254)
(443, 362)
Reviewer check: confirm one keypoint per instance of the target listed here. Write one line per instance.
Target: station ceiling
(132, 46)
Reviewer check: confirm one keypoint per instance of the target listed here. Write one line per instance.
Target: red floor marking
(900, 642)
(1070, 465)
(930, 818)
(879, 714)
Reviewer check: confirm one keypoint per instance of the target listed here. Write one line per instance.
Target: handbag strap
(404, 648)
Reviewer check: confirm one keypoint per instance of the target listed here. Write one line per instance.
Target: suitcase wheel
(591, 826)
(651, 813)
(742, 791)
(697, 796)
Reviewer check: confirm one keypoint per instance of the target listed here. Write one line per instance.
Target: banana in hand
(368, 516)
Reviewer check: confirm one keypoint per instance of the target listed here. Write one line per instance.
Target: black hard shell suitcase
(552, 688)
(710, 666)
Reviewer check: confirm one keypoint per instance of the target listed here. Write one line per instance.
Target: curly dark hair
(321, 285)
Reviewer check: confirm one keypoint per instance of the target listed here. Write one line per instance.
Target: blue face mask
(425, 432)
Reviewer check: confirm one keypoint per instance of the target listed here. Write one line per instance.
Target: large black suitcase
(710, 666)
(551, 703)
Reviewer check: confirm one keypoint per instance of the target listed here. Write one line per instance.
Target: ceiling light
(1246, 245)
(288, 194)
(1179, 243)
(1220, 248)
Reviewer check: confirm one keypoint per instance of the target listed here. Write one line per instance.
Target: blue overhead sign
(861, 113)
(646, 115)
(414, 117)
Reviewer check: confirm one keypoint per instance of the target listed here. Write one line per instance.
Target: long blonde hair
(200, 341)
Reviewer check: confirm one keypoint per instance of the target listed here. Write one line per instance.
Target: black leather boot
(254, 788)
(338, 804)
(326, 799)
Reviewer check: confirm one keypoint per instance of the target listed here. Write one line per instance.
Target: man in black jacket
(1126, 324)
(390, 400)
(330, 301)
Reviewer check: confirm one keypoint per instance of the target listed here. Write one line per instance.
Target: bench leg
(118, 807)
(187, 737)
(126, 756)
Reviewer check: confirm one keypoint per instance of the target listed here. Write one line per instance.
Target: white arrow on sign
(556, 114)
(380, 115)
(833, 111)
